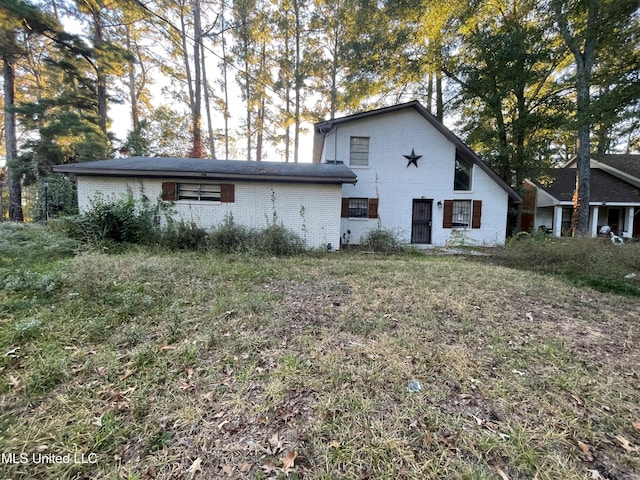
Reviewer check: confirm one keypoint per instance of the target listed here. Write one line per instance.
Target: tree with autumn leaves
(525, 79)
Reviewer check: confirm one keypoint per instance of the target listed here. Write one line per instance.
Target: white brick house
(415, 177)
(306, 198)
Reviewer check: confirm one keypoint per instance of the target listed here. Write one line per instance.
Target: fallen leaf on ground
(626, 444)
(209, 396)
(244, 467)
(14, 381)
(586, 449)
(276, 444)
(503, 475)
(195, 467)
(269, 468)
(491, 426)
(127, 373)
(187, 386)
(288, 461)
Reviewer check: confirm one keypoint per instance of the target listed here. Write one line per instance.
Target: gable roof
(625, 166)
(322, 129)
(605, 188)
(207, 169)
(627, 163)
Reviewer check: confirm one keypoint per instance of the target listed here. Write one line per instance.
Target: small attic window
(463, 175)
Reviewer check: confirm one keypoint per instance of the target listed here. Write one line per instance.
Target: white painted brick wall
(311, 211)
(388, 178)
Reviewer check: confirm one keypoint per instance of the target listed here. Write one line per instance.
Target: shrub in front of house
(184, 236)
(127, 220)
(113, 220)
(381, 240)
(276, 239)
(230, 237)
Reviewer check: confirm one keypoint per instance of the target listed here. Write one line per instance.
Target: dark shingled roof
(192, 168)
(604, 187)
(627, 163)
(322, 128)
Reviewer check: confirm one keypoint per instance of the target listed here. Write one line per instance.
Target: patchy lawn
(150, 365)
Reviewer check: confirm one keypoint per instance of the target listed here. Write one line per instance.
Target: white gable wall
(395, 184)
(312, 211)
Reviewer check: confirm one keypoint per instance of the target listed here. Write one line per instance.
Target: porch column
(628, 223)
(557, 221)
(594, 221)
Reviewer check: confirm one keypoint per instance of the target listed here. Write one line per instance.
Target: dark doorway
(421, 221)
(613, 219)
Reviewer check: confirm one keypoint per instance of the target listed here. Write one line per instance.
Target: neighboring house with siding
(614, 202)
(305, 198)
(415, 177)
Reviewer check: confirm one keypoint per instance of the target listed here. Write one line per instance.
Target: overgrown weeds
(596, 263)
(382, 240)
(114, 220)
(111, 223)
(230, 237)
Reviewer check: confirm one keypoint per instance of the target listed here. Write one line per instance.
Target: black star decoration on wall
(413, 158)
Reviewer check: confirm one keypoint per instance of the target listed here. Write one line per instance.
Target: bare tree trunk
(439, 96)
(582, 194)
(197, 150)
(260, 117)
(207, 105)
(185, 56)
(13, 179)
(287, 100)
(133, 97)
(101, 76)
(225, 86)
(430, 93)
(584, 55)
(298, 82)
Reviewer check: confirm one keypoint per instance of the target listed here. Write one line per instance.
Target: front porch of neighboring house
(623, 220)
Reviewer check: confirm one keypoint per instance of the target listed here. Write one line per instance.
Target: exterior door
(421, 221)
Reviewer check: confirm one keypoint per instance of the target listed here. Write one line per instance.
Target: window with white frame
(201, 192)
(359, 152)
(461, 214)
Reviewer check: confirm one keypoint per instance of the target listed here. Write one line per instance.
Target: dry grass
(202, 366)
